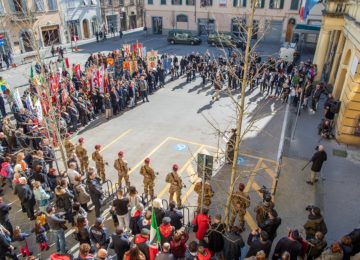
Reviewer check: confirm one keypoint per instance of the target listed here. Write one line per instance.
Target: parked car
(225, 39)
(182, 37)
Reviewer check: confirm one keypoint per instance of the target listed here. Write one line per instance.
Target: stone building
(28, 24)
(337, 57)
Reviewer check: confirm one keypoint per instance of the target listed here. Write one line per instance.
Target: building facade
(82, 18)
(122, 14)
(337, 56)
(275, 18)
(29, 24)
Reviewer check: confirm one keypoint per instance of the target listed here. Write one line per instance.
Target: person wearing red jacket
(202, 221)
(166, 230)
(142, 241)
(203, 253)
(178, 244)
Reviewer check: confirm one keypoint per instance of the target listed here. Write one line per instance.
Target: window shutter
(281, 4)
(271, 4)
(235, 3)
(243, 3)
(180, 2)
(262, 3)
(12, 6)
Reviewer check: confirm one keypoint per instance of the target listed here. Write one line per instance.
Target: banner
(100, 76)
(167, 65)
(17, 99)
(151, 58)
(38, 110)
(126, 65)
(143, 52)
(110, 61)
(77, 71)
(28, 103)
(127, 48)
(133, 66)
(137, 49)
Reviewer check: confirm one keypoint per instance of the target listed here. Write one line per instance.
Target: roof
(307, 27)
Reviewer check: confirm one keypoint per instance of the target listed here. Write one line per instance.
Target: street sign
(205, 164)
(241, 160)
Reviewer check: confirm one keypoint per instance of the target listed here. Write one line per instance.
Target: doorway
(289, 29)
(27, 41)
(85, 24)
(206, 26)
(157, 25)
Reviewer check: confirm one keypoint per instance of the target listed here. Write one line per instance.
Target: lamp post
(122, 10)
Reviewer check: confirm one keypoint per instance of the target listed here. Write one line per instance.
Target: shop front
(50, 35)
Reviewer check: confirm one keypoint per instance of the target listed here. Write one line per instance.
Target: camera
(266, 193)
(317, 148)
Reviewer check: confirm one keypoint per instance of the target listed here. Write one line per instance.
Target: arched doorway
(85, 24)
(289, 29)
(341, 78)
(94, 25)
(26, 41)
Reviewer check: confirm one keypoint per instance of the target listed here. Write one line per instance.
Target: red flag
(77, 71)
(153, 250)
(67, 63)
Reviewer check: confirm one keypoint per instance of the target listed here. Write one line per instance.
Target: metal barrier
(186, 212)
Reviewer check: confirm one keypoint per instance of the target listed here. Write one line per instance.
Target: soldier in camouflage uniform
(68, 145)
(149, 178)
(122, 168)
(240, 201)
(99, 162)
(81, 153)
(208, 193)
(263, 208)
(175, 185)
(230, 145)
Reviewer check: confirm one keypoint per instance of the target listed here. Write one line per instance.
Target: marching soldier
(149, 178)
(230, 145)
(263, 208)
(99, 162)
(240, 201)
(122, 167)
(69, 146)
(208, 193)
(175, 185)
(81, 153)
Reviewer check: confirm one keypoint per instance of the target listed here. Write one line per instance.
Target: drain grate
(340, 153)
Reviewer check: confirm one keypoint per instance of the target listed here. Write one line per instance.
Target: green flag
(154, 230)
(31, 73)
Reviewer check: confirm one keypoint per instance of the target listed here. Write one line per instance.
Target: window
(93, 2)
(176, 2)
(52, 5)
(260, 4)
(132, 2)
(18, 6)
(190, 2)
(204, 3)
(150, 2)
(110, 2)
(182, 18)
(39, 6)
(276, 4)
(121, 2)
(294, 5)
(239, 3)
(2, 10)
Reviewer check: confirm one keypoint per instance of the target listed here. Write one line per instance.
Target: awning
(309, 28)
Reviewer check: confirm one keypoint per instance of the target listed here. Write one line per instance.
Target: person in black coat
(2, 106)
(355, 240)
(175, 215)
(317, 160)
(258, 241)
(4, 216)
(215, 236)
(233, 243)
(6, 249)
(289, 244)
(271, 224)
(26, 196)
(95, 190)
(120, 243)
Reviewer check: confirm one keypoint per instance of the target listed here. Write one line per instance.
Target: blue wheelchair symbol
(180, 147)
(241, 160)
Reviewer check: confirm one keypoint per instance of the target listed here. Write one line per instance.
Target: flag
(306, 6)
(17, 99)
(154, 229)
(143, 52)
(127, 48)
(3, 86)
(28, 103)
(38, 110)
(67, 63)
(77, 71)
(31, 72)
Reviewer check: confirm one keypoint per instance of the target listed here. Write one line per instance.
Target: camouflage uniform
(69, 147)
(262, 210)
(149, 178)
(208, 193)
(100, 165)
(175, 187)
(121, 166)
(230, 148)
(240, 202)
(81, 153)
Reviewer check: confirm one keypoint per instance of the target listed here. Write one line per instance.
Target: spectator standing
(57, 225)
(26, 196)
(271, 224)
(99, 234)
(316, 246)
(41, 196)
(289, 244)
(318, 158)
(120, 207)
(84, 252)
(82, 196)
(134, 253)
(215, 237)
(201, 223)
(165, 253)
(4, 216)
(258, 241)
(22, 243)
(191, 252)
(233, 243)
(142, 242)
(178, 244)
(120, 242)
(166, 230)
(41, 237)
(175, 215)
(314, 223)
(95, 190)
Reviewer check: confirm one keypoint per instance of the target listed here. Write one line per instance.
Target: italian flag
(154, 237)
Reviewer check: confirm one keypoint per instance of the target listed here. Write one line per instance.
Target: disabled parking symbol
(241, 160)
(180, 147)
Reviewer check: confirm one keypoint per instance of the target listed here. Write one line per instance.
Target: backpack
(60, 203)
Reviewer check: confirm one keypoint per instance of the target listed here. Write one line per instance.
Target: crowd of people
(57, 200)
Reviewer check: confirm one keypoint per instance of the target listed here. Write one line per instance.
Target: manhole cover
(340, 153)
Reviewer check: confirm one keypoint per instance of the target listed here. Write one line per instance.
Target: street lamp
(122, 10)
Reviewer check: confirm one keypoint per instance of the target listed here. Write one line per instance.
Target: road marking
(251, 178)
(256, 188)
(180, 147)
(191, 173)
(187, 163)
(269, 171)
(250, 221)
(115, 140)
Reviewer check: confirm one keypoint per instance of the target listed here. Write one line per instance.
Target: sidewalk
(45, 52)
(337, 196)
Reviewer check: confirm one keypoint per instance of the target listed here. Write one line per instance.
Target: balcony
(22, 17)
(336, 9)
